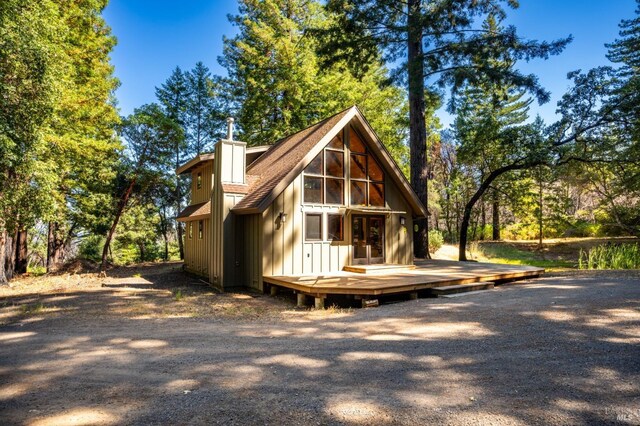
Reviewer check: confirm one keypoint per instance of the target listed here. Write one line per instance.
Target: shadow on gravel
(556, 351)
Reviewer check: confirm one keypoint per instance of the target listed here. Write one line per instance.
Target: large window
(324, 176)
(313, 227)
(367, 177)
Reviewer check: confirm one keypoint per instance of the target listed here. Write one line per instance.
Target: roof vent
(230, 128)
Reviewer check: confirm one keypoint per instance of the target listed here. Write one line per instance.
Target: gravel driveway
(557, 350)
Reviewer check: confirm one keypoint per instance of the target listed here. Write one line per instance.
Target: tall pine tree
(440, 42)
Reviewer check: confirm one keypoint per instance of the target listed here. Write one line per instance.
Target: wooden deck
(426, 274)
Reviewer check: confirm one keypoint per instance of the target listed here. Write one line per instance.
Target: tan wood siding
(285, 251)
(196, 250)
(252, 250)
(204, 193)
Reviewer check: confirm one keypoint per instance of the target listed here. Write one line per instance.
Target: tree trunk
(9, 255)
(107, 244)
(540, 205)
(3, 239)
(55, 248)
(483, 225)
(21, 252)
(179, 229)
(495, 210)
(417, 126)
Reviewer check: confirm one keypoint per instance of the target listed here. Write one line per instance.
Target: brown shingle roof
(282, 159)
(195, 211)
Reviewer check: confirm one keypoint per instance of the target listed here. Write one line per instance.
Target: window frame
(367, 180)
(325, 175)
(306, 227)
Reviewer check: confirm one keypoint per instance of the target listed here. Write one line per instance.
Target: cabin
(317, 202)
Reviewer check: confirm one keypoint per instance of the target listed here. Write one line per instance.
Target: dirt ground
(150, 345)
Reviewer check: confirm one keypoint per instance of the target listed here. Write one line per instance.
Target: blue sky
(156, 36)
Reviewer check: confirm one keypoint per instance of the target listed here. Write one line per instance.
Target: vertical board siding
(204, 193)
(196, 251)
(252, 249)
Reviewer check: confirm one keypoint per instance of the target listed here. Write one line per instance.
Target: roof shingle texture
(196, 210)
(274, 165)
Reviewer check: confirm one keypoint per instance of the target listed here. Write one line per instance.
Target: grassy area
(510, 254)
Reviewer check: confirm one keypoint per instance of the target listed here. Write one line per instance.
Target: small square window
(313, 227)
(335, 163)
(313, 189)
(335, 191)
(358, 166)
(200, 229)
(190, 229)
(335, 227)
(358, 193)
(199, 180)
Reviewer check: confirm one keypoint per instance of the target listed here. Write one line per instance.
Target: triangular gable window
(367, 177)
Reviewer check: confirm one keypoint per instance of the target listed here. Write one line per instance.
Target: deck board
(427, 274)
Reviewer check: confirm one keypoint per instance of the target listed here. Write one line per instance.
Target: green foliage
(611, 256)
(90, 247)
(136, 236)
(436, 240)
(277, 85)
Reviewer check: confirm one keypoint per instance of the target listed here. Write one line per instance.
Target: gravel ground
(557, 350)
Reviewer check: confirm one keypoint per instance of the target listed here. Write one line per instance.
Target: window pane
(335, 191)
(315, 166)
(358, 193)
(376, 194)
(335, 227)
(313, 229)
(336, 143)
(335, 163)
(356, 143)
(375, 171)
(312, 189)
(358, 167)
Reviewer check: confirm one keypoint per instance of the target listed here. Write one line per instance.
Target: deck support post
(413, 295)
(302, 300)
(273, 290)
(319, 302)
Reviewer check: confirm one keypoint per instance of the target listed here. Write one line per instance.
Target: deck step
(461, 288)
(378, 269)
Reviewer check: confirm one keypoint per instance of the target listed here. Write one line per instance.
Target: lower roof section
(195, 212)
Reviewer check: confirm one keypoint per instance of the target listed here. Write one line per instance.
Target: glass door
(368, 239)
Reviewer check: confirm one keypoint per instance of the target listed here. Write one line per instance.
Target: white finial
(230, 128)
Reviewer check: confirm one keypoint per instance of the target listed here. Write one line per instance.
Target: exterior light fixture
(403, 221)
(283, 217)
